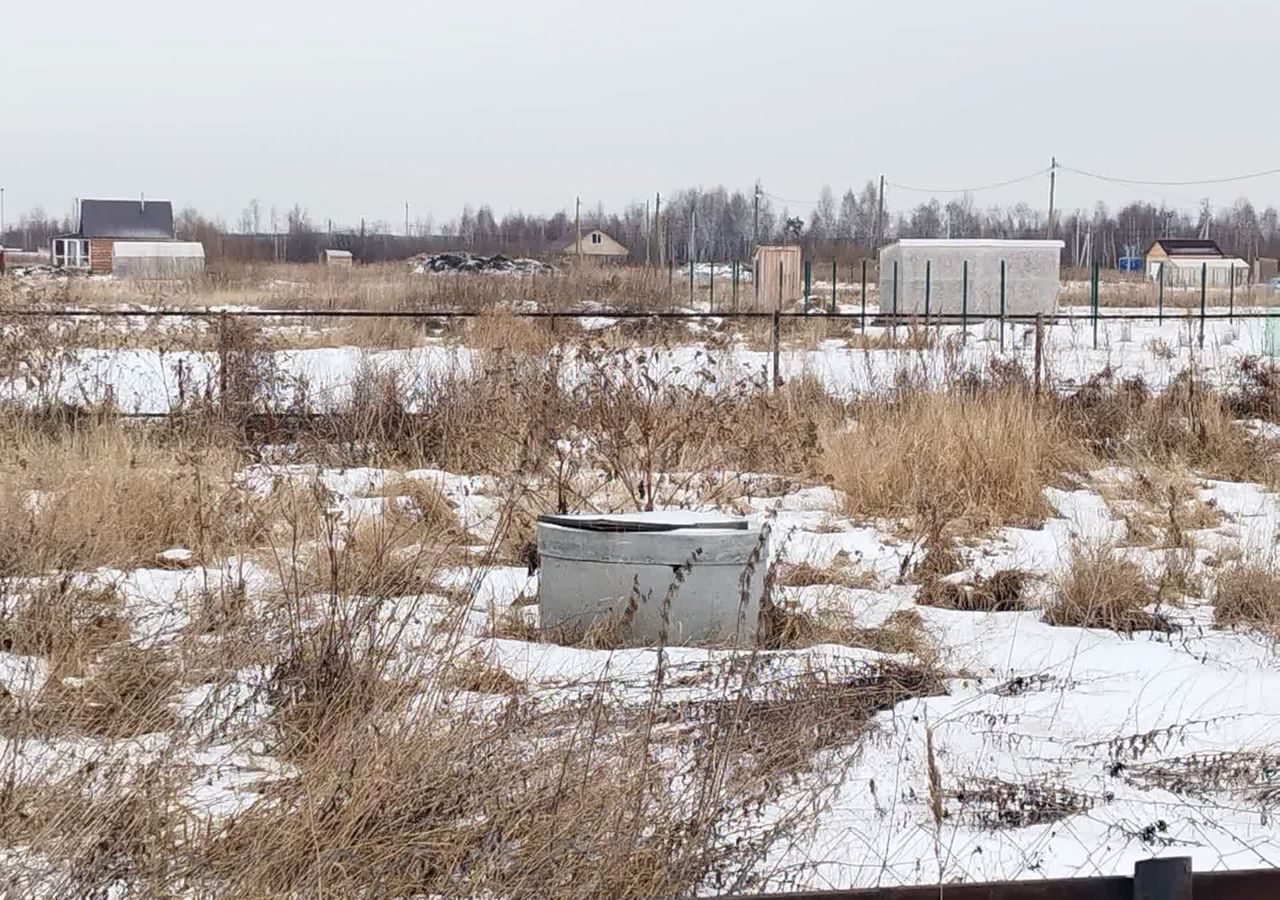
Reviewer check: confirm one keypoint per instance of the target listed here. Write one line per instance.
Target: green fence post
(691, 279)
(833, 286)
(712, 302)
(1231, 302)
(864, 293)
(964, 297)
(808, 282)
(928, 288)
(1204, 289)
(1002, 282)
(1093, 302)
(895, 294)
(1160, 298)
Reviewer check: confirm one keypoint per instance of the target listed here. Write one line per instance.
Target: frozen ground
(1060, 751)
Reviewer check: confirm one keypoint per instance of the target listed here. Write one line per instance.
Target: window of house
(595, 238)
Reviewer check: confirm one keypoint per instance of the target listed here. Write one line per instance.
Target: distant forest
(724, 226)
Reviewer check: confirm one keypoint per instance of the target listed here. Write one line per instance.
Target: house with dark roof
(106, 223)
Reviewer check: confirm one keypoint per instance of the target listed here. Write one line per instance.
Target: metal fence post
(777, 340)
(895, 293)
(808, 282)
(1162, 879)
(1160, 298)
(964, 297)
(1093, 298)
(711, 304)
(833, 284)
(1204, 290)
(691, 269)
(864, 294)
(928, 288)
(1002, 281)
(222, 362)
(1231, 301)
(1039, 351)
(734, 279)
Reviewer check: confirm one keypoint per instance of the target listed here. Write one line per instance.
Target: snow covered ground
(154, 380)
(1060, 751)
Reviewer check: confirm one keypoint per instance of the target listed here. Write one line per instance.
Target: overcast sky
(352, 109)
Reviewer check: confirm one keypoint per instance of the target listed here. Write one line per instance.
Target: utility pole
(406, 219)
(1053, 178)
(879, 229)
(755, 226)
(577, 225)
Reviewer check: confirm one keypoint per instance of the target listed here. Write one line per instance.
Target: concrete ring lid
(647, 522)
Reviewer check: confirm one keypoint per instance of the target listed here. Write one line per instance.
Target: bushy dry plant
(1248, 596)
(110, 496)
(1100, 588)
(984, 457)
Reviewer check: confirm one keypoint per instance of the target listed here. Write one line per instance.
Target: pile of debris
(482, 265)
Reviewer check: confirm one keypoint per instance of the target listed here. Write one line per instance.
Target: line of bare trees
(714, 224)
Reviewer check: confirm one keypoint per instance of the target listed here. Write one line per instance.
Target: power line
(972, 190)
(789, 199)
(1191, 183)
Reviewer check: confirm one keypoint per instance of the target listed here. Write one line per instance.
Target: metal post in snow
(1204, 288)
(964, 297)
(691, 280)
(711, 307)
(777, 340)
(1231, 301)
(1002, 296)
(833, 284)
(808, 282)
(733, 277)
(863, 324)
(928, 288)
(1160, 298)
(1093, 298)
(893, 322)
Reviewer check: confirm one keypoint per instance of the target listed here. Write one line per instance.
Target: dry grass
(104, 497)
(1248, 596)
(64, 623)
(982, 457)
(1002, 592)
(1102, 589)
(424, 768)
(808, 575)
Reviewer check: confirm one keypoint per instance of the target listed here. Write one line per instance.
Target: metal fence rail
(1156, 879)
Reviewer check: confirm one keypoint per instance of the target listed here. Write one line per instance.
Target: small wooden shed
(337, 258)
(777, 274)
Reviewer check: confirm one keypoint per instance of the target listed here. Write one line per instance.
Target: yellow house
(596, 244)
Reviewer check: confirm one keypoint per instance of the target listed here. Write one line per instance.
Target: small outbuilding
(1186, 249)
(776, 270)
(338, 258)
(948, 277)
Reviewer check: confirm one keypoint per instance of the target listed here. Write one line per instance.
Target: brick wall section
(101, 256)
